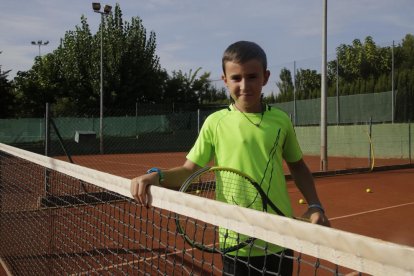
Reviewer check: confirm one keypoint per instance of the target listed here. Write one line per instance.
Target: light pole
(40, 43)
(107, 9)
(324, 84)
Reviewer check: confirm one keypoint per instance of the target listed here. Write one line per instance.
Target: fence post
(409, 140)
(294, 94)
(136, 119)
(370, 143)
(198, 120)
(392, 85)
(47, 130)
(47, 148)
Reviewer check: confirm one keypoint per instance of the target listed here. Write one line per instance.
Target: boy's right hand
(139, 187)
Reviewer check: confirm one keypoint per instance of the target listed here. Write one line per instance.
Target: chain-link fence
(357, 70)
(133, 131)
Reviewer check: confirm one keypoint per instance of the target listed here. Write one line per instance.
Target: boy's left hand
(317, 217)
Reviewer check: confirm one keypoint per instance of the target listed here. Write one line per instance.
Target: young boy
(251, 137)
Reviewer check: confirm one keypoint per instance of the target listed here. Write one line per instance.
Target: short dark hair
(243, 51)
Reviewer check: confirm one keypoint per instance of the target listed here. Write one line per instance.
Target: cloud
(192, 34)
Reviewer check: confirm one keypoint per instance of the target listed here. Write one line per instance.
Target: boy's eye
(239, 78)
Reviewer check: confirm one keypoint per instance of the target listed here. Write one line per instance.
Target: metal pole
(47, 147)
(409, 140)
(198, 120)
(47, 130)
(101, 147)
(338, 119)
(370, 143)
(324, 160)
(136, 118)
(294, 94)
(392, 83)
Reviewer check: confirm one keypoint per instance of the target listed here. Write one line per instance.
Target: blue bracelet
(317, 206)
(159, 172)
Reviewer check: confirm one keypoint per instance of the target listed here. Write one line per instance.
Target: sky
(194, 33)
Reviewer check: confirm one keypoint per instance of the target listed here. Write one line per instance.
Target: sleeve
(203, 149)
(291, 148)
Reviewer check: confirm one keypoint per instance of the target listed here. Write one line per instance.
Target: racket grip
(302, 219)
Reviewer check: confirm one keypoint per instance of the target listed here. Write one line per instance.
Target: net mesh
(59, 218)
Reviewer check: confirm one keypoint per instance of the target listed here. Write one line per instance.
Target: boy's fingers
(138, 191)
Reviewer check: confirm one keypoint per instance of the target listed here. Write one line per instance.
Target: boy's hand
(316, 216)
(139, 187)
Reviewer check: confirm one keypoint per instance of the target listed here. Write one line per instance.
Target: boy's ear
(266, 77)
(223, 77)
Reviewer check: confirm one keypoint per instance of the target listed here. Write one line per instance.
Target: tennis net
(60, 218)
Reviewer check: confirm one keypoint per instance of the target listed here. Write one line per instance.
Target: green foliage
(360, 68)
(285, 86)
(6, 96)
(69, 78)
(308, 83)
(189, 88)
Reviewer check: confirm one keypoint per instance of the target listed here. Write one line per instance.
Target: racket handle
(302, 219)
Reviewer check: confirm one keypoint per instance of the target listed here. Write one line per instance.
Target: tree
(285, 86)
(308, 83)
(70, 76)
(6, 96)
(362, 60)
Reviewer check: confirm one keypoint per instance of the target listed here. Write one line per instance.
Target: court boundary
(357, 170)
(4, 267)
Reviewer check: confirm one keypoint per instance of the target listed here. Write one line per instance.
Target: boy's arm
(304, 181)
(173, 178)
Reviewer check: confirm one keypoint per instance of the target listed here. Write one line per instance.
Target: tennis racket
(225, 185)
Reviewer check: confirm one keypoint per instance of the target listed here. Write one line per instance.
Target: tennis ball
(198, 191)
(301, 201)
(368, 190)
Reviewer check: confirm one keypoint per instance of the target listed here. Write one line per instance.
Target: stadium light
(106, 11)
(40, 43)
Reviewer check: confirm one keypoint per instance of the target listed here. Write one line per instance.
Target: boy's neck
(258, 108)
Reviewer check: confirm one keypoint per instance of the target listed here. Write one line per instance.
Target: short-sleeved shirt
(253, 143)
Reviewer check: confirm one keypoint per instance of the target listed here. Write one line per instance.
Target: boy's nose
(243, 84)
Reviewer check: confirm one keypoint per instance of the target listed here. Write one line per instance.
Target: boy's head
(243, 51)
(244, 74)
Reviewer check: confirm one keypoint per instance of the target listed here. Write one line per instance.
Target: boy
(253, 138)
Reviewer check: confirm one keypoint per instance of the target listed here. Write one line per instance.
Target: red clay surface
(385, 213)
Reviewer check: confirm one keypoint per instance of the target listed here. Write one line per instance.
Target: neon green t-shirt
(235, 141)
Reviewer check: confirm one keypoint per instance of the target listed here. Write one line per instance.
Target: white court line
(372, 211)
(131, 262)
(136, 261)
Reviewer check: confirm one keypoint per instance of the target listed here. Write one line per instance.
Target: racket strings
(225, 186)
(238, 189)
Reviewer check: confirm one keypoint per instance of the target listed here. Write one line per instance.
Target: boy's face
(245, 82)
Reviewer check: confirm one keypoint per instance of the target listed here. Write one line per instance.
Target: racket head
(225, 185)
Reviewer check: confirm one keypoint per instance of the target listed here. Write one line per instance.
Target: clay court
(382, 213)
